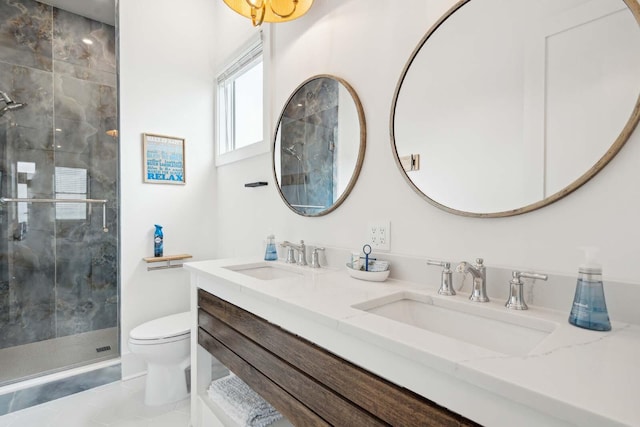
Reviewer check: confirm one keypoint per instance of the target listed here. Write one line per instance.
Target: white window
(71, 183)
(240, 105)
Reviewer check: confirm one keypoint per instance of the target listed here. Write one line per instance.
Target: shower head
(292, 152)
(10, 104)
(5, 98)
(10, 107)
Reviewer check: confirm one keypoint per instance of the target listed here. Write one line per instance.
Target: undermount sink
(264, 271)
(493, 329)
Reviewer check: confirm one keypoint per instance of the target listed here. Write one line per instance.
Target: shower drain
(105, 348)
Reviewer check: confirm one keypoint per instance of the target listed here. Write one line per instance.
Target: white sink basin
(488, 327)
(265, 271)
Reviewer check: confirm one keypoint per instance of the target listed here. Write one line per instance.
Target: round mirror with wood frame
(319, 145)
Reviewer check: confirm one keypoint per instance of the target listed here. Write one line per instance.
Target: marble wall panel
(26, 33)
(39, 184)
(30, 268)
(30, 86)
(84, 112)
(75, 100)
(88, 60)
(31, 293)
(4, 300)
(23, 138)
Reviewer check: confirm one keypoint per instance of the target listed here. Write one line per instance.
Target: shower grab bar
(26, 200)
(86, 201)
(309, 206)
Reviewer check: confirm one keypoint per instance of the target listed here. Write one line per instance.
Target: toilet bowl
(164, 345)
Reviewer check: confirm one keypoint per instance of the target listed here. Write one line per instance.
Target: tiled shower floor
(25, 361)
(119, 404)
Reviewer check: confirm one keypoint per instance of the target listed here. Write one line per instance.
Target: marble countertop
(571, 377)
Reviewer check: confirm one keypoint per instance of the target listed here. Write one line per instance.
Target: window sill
(242, 153)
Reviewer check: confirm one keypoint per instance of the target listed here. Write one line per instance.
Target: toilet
(165, 346)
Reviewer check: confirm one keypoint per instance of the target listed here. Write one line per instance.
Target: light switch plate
(379, 235)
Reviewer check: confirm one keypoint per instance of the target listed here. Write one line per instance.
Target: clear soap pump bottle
(271, 254)
(589, 308)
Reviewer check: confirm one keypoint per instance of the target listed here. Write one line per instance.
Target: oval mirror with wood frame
(319, 145)
(506, 106)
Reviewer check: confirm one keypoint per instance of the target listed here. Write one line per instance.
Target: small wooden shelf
(166, 259)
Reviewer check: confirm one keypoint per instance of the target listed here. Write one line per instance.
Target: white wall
(166, 87)
(168, 60)
(368, 46)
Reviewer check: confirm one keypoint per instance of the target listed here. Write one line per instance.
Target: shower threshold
(28, 361)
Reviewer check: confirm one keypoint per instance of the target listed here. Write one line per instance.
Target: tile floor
(119, 404)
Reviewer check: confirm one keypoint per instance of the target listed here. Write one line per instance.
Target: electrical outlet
(379, 235)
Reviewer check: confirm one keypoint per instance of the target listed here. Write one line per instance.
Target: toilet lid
(164, 327)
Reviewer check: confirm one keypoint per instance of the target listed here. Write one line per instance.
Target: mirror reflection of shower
(301, 190)
(9, 104)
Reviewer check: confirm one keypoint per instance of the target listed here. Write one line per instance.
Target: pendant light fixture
(273, 11)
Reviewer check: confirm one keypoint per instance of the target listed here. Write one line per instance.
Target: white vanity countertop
(574, 376)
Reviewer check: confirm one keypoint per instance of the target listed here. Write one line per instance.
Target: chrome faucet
(301, 249)
(516, 300)
(479, 273)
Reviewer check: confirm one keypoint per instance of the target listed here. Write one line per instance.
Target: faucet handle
(446, 282)
(516, 298)
(518, 274)
(479, 262)
(315, 263)
(291, 258)
(444, 264)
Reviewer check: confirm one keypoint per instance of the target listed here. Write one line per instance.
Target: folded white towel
(241, 403)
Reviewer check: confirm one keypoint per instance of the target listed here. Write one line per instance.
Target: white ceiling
(99, 10)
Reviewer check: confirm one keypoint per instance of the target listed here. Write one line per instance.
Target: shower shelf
(167, 259)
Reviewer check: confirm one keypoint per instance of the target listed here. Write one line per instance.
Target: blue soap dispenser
(271, 254)
(158, 238)
(589, 308)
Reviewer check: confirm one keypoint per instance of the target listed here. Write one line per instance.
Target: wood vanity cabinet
(306, 383)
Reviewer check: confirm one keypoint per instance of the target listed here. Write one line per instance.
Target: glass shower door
(58, 191)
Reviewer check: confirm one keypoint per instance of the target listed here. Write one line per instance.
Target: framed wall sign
(163, 161)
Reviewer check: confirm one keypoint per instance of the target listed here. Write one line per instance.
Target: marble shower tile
(76, 100)
(84, 112)
(86, 282)
(40, 183)
(84, 73)
(30, 86)
(89, 59)
(31, 296)
(25, 138)
(4, 301)
(25, 33)
(75, 136)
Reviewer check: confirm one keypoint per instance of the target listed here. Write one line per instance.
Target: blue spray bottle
(158, 238)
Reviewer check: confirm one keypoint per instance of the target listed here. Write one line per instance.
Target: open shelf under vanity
(307, 384)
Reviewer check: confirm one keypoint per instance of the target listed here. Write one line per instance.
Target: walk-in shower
(58, 196)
